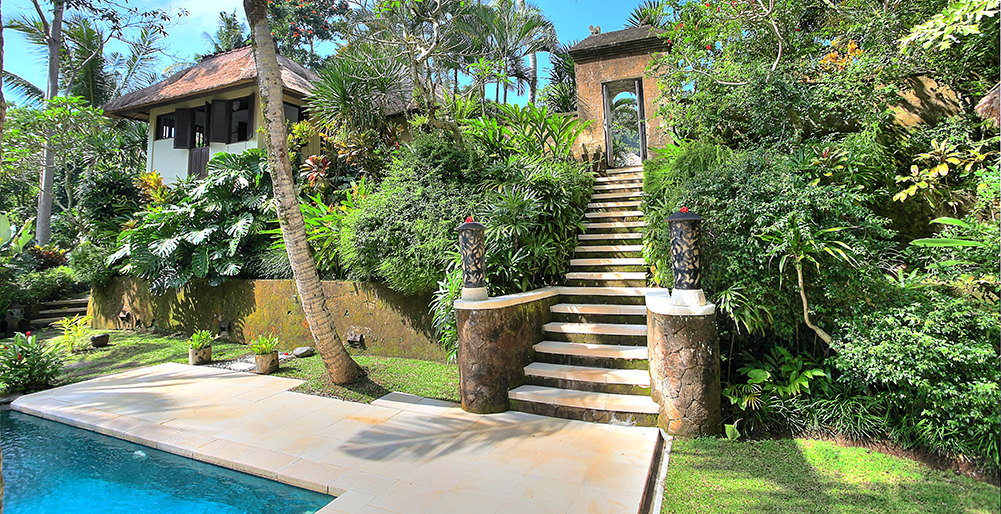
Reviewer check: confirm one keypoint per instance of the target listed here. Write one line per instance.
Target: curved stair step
(637, 377)
(609, 329)
(584, 399)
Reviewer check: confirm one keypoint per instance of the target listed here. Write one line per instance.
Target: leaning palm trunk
(806, 306)
(341, 367)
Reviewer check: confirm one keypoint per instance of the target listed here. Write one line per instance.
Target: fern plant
(207, 233)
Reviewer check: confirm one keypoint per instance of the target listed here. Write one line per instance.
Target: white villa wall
(171, 163)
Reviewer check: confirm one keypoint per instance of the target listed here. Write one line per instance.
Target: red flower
(469, 219)
(708, 48)
(684, 209)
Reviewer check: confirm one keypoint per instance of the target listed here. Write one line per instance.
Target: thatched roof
(224, 71)
(632, 41)
(989, 107)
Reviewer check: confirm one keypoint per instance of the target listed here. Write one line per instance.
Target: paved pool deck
(402, 454)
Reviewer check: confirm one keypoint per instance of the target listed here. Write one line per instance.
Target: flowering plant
(28, 364)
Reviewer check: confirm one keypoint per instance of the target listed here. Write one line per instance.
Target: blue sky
(571, 17)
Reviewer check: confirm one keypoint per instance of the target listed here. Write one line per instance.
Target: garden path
(402, 454)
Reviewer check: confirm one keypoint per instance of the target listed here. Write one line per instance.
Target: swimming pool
(50, 467)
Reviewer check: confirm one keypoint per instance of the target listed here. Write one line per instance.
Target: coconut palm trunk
(54, 41)
(340, 366)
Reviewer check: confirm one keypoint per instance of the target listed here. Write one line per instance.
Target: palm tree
(341, 367)
(649, 12)
(230, 34)
(514, 34)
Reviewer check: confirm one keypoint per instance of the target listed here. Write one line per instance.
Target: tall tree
(53, 37)
(514, 34)
(3, 117)
(533, 65)
(340, 366)
(228, 36)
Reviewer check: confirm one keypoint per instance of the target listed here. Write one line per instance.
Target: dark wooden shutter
(219, 121)
(198, 159)
(251, 129)
(184, 128)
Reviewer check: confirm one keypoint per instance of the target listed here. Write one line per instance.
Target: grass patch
(383, 375)
(130, 350)
(719, 476)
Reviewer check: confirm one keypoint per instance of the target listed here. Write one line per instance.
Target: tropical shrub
(935, 360)
(108, 200)
(444, 321)
(208, 233)
(73, 330)
(533, 211)
(51, 284)
(88, 262)
(28, 363)
(401, 234)
(529, 130)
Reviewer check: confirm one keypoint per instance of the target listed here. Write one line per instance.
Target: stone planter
(266, 364)
(100, 340)
(200, 356)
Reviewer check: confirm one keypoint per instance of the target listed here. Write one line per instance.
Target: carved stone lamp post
(472, 246)
(682, 340)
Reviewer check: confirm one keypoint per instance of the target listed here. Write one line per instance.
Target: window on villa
(293, 113)
(241, 120)
(200, 127)
(165, 126)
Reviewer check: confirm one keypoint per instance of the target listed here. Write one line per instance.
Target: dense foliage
(209, 233)
(28, 363)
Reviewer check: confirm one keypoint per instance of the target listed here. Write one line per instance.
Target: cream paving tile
(330, 509)
(358, 481)
(340, 408)
(368, 509)
(561, 467)
(381, 461)
(351, 501)
(407, 497)
(222, 452)
(372, 414)
(617, 475)
(516, 459)
(544, 494)
(118, 425)
(454, 503)
(309, 446)
(265, 463)
(489, 483)
(346, 428)
(310, 474)
(441, 472)
(596, 500)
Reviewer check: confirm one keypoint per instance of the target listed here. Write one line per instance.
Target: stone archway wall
(590, 104)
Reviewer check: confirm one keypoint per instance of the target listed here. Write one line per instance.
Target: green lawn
(130, 350)
(806, 476)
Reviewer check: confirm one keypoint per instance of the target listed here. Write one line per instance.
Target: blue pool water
(53, 468)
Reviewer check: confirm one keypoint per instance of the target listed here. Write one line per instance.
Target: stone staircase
(593, 365)
(51, 312)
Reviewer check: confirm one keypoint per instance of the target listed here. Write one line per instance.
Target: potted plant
(200, 348)
(265, 354)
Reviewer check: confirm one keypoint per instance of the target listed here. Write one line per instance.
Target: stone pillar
(472, 246)
(682, 341)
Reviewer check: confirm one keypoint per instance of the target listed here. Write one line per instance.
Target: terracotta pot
(202, 356)
(266, 364)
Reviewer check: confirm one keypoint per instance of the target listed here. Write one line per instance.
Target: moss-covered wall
(393, 324)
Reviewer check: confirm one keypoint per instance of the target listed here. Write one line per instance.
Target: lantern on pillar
(472, 247)
(686, 230)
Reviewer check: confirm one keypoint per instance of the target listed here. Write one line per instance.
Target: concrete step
(602, 237)
(608, 329)
(629, 169)
(623, 261)
(44, 322)
(615, 224)
(637, 377)
(67, 312)
(592, 308)
(612, 205)
(619, 177)
(607, 291)
(73, 302)
(607, 248)
(615, 186)
(584, 399)
(593, 350)
(615, 196)
(629, 275)
(614, 214)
